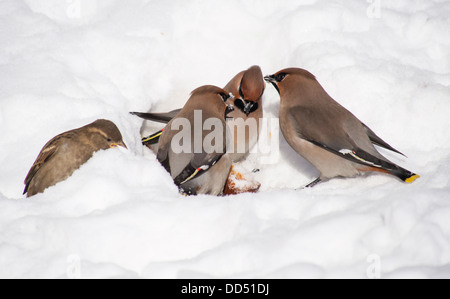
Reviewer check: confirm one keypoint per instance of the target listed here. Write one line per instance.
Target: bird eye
(224, 96)
(280, 77)
(108, 139)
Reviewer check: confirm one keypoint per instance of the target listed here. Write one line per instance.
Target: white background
(64, 64)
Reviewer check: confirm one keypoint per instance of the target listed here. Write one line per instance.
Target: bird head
(105, 134)
(217, 98)
(285, 77)
(276, 79)
(251, 90)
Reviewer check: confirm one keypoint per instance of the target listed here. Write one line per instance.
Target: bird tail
(405, 175)
(158, 117)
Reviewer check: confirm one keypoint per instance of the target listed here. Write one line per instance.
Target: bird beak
(271, 79)
(229, 109)
(122, 144)
(248, 107)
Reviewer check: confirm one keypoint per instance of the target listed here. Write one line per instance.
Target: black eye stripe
(254, 107)
(239, 103)
(224, 96)
(280, 77)
(242, 105)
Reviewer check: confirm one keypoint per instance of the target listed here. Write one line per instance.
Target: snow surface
(64, 64)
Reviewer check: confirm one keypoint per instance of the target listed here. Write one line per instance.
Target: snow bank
(64, 64)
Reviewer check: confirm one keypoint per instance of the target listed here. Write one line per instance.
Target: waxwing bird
(65, 153)
(250, 86)
(325, 133)
(244, 121)
(198, 166)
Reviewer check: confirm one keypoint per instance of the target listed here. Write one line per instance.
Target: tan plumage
(326, 134)
(65, 153)
(198, 171)
(248, 88)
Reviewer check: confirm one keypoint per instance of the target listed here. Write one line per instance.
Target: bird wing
(47, 152)
(198, 166)
(317, 127)
(199, 163)
(158, 117)
(378, 141)
(163, 155)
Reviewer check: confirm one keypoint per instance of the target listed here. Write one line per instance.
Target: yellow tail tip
(412, 179)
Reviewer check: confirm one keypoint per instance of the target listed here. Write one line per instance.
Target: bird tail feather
(158, 117)
(405, 175)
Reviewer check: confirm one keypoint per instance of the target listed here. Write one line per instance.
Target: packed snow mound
(64, 64)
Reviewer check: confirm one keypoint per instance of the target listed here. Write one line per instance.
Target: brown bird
(65, 153)
(325, 133)
(244, 121)
(250, 85)
(195, 167)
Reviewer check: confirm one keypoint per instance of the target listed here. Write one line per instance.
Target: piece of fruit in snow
(238, 184)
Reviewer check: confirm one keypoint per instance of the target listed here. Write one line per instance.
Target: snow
(64, 64)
